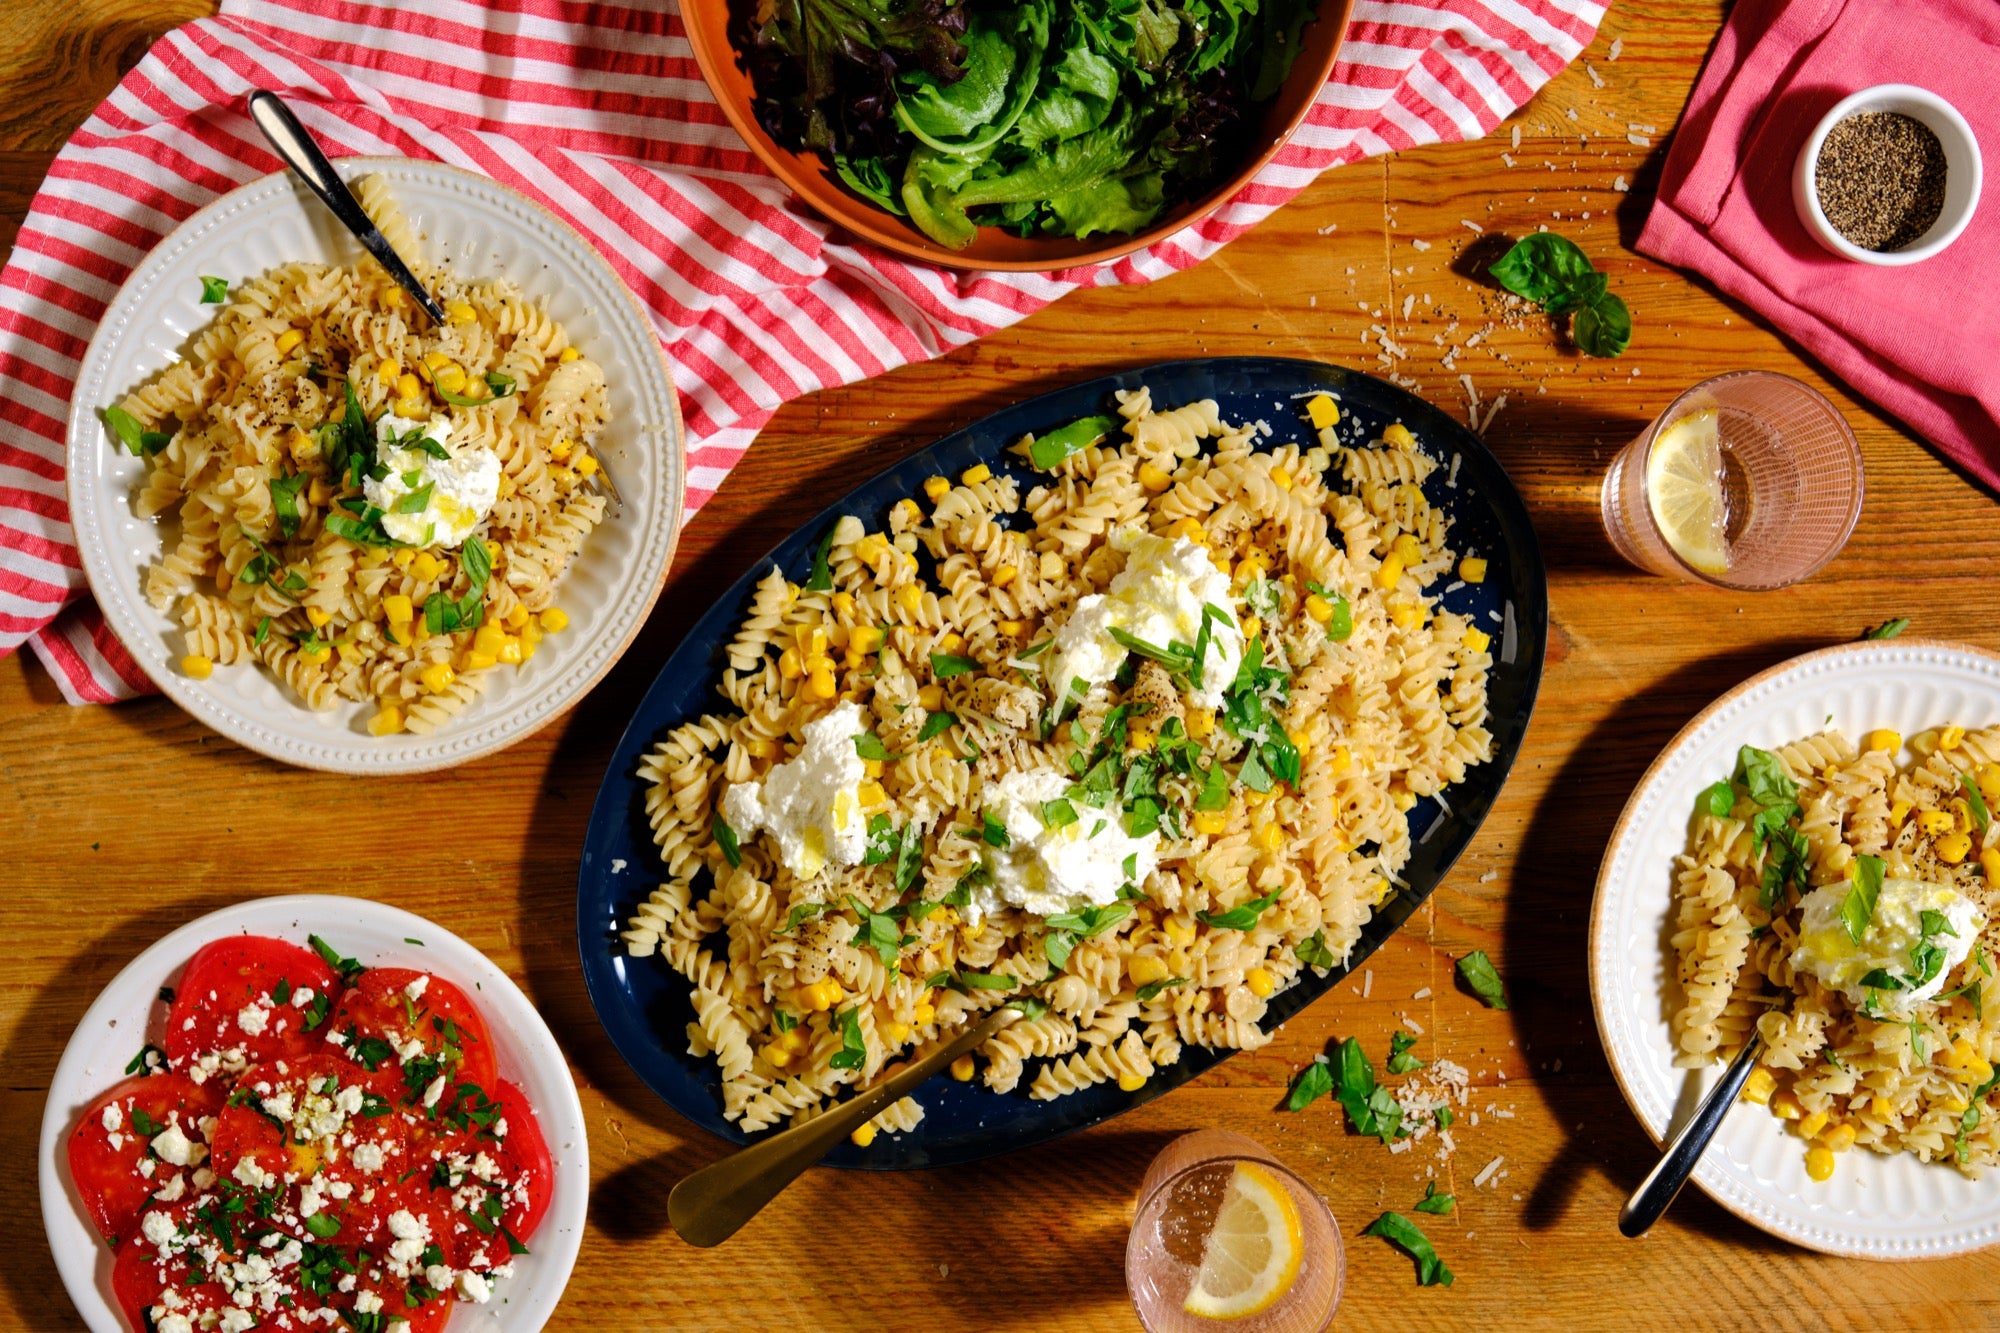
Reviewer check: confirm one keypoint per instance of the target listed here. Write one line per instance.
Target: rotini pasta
(375, 508)
(977, 755)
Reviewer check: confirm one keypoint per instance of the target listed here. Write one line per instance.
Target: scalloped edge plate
(1875, 1206)
(485, 229)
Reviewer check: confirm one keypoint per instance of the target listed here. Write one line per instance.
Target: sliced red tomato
(333, 1114)
(378, 1016)
(140, 1277)
(500, 1186)
(239, 994)
(104, 1160)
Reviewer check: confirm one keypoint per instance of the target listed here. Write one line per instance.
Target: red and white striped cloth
(599, 112)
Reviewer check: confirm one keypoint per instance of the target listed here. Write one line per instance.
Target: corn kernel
(1270, 837)
(403, 558)
(437, 677)
(843, 604)
(1819, 1163)
(931, 697)
(961, 1069)
(871, 793)
(1131, 1081)
(561, 449)
(1952, 848)
(387, 371)
(427, 566)
(1252, 626)
(1961, 814)
(411, 409)
(316, 656)
(951, 643)
(197, 667)
(1249, 569)
(450, 377)
(1012, 629)
(1200, 722)
(1406, 615)
(398, 608)
(908, 508)
(1398, 434)
(1005, 575)
(586, 466)
(510, 651)
(1406, 549)
(1142, 738)
(1883, 741)
(897, 1033)
(1154, 478)
(474, 660)
(924, 1012)
(1383, 888)
(408, 385)
(1189, 528)
(1951, 738)
(488, 638)
(1282, 477)
(1810, 1126)
(568, 354)
(863, 1136)
(1838, 1139)
(348, 652)
(1403, 800)
(777, 1056)
(820, 996)
(1989, 862)
(1301, 740)
(460, 312)
(1934, 821)
(936, 488)
(1319, 608)
(1322, 411)
(1759, 1086)
(1881, 1108)
(1211, 822)
(289, 339)
(1478, 640)
(910, 597)
(316, 617)
(1260, 983)
(1785, 1105)
(1472, 569)
(820, 684)
(975, 474)
(1389, 573)
(865, 638)
(1145, 969)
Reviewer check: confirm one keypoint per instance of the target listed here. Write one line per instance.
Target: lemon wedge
(1252, 1255)
(1684, 489)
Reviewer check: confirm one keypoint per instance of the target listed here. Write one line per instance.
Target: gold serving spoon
(711, 1205)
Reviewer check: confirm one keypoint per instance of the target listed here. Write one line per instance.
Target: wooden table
(117, 824)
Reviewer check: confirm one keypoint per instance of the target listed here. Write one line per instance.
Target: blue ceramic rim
(636, 1000)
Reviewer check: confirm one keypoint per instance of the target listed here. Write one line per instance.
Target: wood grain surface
(119, 823)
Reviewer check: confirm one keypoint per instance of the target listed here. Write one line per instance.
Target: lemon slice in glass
(1252, 1255)
(1684, 489)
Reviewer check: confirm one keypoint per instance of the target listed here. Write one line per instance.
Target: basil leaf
(1151, 990)
(1050, 449)
(1056, 947)
(416, 501)
(1543, 267)
(853, 1052)
(725, 838)
(502, 385)
(801, 912)
(1311, 1083)
(1479, 973)
(909, 859)
(935, 724)
(869, 746)
(323, 1225)
(1719, 800)
(1340, 625)
(994, 833)
(143, 1066)
(1241, 917)
(1888, 629)
(1857, 909)
(1763, 775)
(1175, 655)
(1404, 1235)
(987, 980)
(1604, 327)
(1214, 789)
(125, 426)
(214, 291)
(1312, 950)
(1975, 799)
(944, 665)
(1057, 814)
(821, 577)
(1400, 1059)
(1433, 1202)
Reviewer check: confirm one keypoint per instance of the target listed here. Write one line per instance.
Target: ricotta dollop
(1158, 597)
(462, 486)
(811, 803)
(1051, 866)
(1827, 951)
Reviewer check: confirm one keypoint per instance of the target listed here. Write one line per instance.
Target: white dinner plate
(127, 1015)
(1875, 1206)
(483, 229)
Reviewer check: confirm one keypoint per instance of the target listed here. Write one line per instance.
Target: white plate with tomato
(313, 1113)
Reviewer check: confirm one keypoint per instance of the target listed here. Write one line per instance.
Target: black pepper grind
(1881, 178)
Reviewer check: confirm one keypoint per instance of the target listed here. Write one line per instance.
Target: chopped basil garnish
(346, 967)
(1433, 1202)
(853, 1051)
(214, 291)
(1479, 973)
(935, 724)
(1370, 1107)
(1977, 801)
(725, 838)
(1241, 917)
(1310, 1084)
(1404, 1235)
(1888, 629)
(1400, 1059)
(1151, 990)
(1857, 909)
(1719, 800)
(1048, 450)
(821, 577)
(1312, 950)
(944, 665)
(323, 1225)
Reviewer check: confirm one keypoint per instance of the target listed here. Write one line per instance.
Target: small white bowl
(1962, 165)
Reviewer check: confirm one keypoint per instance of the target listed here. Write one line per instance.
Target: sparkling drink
(1227, 1237)
(1750, 480)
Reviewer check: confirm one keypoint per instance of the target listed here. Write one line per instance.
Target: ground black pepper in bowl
(1881, 178)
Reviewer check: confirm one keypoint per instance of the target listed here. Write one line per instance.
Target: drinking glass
(1178, 1202)
(1791, 483)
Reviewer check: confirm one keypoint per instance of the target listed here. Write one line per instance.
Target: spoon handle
(290, 141)
(711, 1205)
(1660, 1186)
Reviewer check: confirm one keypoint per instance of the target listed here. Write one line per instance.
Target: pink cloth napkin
(1919, 340)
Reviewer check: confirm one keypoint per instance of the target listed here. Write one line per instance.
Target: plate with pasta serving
(348, 537)
(1814, 859)
(1161, 700)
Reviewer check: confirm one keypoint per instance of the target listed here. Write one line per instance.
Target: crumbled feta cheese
(435, 1091)
(175, 1187)
(303, 996)
(158, 1228)
(252, 1018)
(474, 1287)
(368, 1157)
(415, 990)
(367, 1303)
(113, 1118)
(279, 1106)
(171, 1145)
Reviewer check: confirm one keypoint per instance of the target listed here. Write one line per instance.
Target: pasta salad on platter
(375, 508)
(1135, 739)
(1841, 901)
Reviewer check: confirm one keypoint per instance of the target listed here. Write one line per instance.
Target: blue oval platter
(644, 1004)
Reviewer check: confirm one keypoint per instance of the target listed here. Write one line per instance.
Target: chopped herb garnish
(1048, 450)
(1151, 990)
(323, 1225)
(1370, 1107)
(214, 291)
(854, 1047)
(1312, 950)
(1977, 801)
(1241, 917)
(1479, 973)
(142, 1065)
(1719, 800)
(346, 967)
(1404, 1235)
(725, 838)
(1857, 910)
(944, 665)
(1311, 1083)
(869, 746)
(935, 724)
(1400, 1059)
(1888, 629)
(1433, 1202)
